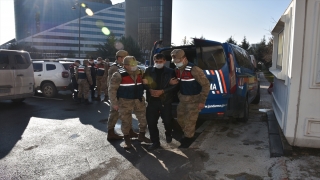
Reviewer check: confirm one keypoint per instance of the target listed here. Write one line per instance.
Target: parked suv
(233, 79)
(51, 76)
(16, 75)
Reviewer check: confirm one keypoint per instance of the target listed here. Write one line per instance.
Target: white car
(16, 75)
(51, 76)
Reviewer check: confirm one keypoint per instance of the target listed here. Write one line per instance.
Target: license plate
(5, 90)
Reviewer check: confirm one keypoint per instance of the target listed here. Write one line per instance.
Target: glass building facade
(52, 26)
(148, 21)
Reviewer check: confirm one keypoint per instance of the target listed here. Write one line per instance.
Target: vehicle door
(246, 75)
(23, 73)
(211, 58)
(38, 73)
(6, 76)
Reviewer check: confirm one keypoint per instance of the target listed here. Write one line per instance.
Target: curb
(278, 144)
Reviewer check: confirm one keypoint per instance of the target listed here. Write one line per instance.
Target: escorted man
(194, 89)
(83, 76)
(102, 77)
(159, 97)
(93, 75)
(113, 114)
(126, 96)
(73, 68)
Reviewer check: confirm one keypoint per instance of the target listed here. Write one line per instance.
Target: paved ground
(241, 150)
(56, 139)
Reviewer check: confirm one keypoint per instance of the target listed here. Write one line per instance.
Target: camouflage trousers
(113, 118)
(187, 115)
(126, 107)
(83, 88)
(102, 85)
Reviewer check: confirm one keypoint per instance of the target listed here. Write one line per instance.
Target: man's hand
(116, 108)
(200, 106)
(156, 93)
(173, 81)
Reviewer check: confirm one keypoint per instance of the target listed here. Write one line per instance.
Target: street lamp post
(89, 13)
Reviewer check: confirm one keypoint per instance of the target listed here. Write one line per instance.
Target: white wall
(297, 85)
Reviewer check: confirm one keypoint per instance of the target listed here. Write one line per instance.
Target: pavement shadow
(161, 163)
(15, 117)
(12, 125)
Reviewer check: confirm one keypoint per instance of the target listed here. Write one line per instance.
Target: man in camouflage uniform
(126, 96)
(194, 89)
(83, 76)
(102, 77)
(113, 114)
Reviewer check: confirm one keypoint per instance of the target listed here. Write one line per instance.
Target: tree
(231, 40)
(260, 50)
(131, 46)
(267, 55)
(185, 41)
(109, 48)
(192, 42)
(244, 44)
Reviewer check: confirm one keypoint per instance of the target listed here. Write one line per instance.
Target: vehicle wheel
(18, 100)
(257, 98)
(49, 90)
(245, 117)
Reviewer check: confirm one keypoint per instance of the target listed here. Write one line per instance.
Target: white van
(16, 75)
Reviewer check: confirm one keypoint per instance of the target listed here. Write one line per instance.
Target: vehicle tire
(18, 100)
(49, 90)
(256, 100)
(245, 117)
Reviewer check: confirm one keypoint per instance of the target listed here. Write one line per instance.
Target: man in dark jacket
(159, 97)
(73, 69)
(93, 70)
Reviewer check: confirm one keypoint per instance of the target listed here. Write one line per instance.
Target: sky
(215, 20)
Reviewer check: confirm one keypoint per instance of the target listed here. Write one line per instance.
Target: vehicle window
(211, 57)
(37, 67)
(4, 61)
(50, 67)
(21, 61)
(66, 66)
(190, 53)
(242, 57)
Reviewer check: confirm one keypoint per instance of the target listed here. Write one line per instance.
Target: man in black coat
(159, 94)
(73, 69)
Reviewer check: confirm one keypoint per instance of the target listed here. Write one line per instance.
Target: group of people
(89, 77)
(126, 85)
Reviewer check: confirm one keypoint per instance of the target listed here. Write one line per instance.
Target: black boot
(154, 146)
(185, 142)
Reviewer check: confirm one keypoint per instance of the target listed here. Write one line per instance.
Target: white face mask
(133, 68)
(158, 66)
(179, 64)
(91, 62)
(99, 62)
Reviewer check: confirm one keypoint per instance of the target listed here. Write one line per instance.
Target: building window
(280, 51)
